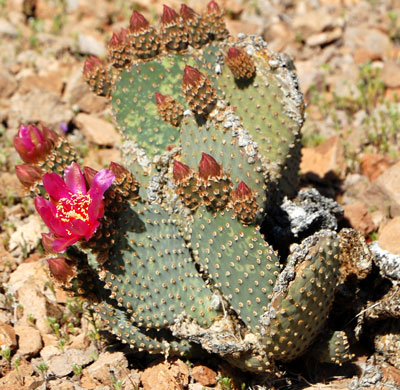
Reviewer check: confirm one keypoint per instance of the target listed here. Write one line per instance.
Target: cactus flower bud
(243, 190)
(28, 174)
(89, 174)
(91, 64)
(73, 212)
(187, 13)
(61, 268)
(138, 22)
(192, 76)
(213, 6)
(33, 144)
(180, 171)
(208, 167)
(169, 15)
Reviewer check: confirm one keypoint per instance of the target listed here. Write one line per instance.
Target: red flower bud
(138, 22)
(192, 76)
(242, 190)
(91, 64)
(160, 99)
(28, 174)
(187, 13)
(61, 268)
(33, 144)
(89, 174)
(209, 168)
(169, 15)
(213, 6)
(180, 171)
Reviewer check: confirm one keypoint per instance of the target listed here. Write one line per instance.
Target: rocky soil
(347, 56)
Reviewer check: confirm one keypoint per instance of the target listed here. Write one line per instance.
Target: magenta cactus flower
(33, 144)
(73, 212)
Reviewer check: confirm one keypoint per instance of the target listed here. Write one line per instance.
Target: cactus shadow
(245, 83)
(127, 222)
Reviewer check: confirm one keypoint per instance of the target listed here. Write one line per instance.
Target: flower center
(73, 208)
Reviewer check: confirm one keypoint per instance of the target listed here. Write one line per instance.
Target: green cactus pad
(332, 348)
(151, 272)
(117, 323)
(238, 261)
(241, 162)
(302, 297)
(270, 107)
(134, 103)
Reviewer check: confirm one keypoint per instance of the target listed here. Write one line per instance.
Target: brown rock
(29, 340)
(392, 94)
(7, 336)
(92, 103)
(97, 130)
(204, 375)
(240, 26)
(37, 106)
(373, 165)
(18, 380)
(99, 159)
(99, 373)
(279, 35)
(166, 376)
(29, 284)
(384, 192)
(325, 161)
(313, 21)
(60, 364)
(361, 56)
(358, 216)
(324, 38)
(389, 236)
(7, 84)
(51, 81)
(372, 43)
(390, 74)
(10, 185)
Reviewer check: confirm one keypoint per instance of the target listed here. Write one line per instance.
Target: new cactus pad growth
(170, 245)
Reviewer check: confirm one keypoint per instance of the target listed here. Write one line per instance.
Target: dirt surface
(347, 56)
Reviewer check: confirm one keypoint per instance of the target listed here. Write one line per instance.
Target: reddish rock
(358, 216)
(373, 165)
(204, 375)
(7, 336)
(384, 192)
(166, 376)
(389, 235)
(326, 160)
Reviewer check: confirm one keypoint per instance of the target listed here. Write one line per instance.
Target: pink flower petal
(101, 182)
(78, 227)
(74, 179)
(92, 230)
(48, 211)
(55, 186)
(60, 244)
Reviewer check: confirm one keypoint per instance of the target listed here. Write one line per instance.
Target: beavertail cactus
(168, 250)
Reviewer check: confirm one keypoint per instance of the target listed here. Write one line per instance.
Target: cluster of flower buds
(34, 146)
